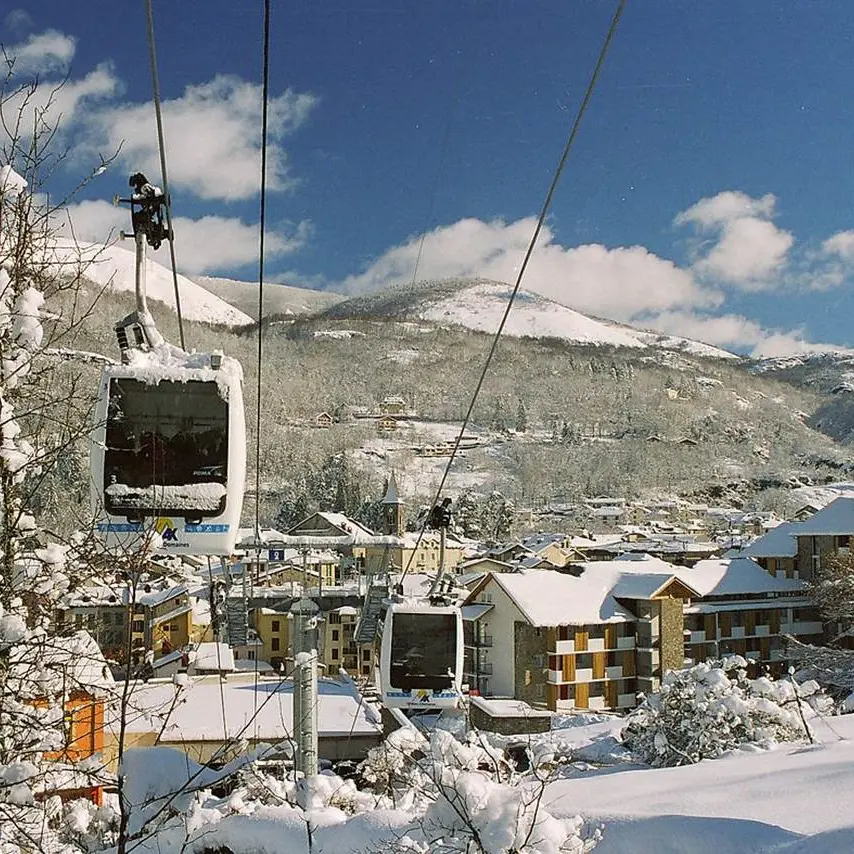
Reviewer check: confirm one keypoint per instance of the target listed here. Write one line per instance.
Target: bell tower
(392, 509)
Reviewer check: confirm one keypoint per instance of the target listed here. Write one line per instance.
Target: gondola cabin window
(166, 448)
(423, 651)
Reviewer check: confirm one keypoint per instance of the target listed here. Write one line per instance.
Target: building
(160, 616)
(828, 532)
(207, 717)
(339, 647)
(594, 640)
(776, 551)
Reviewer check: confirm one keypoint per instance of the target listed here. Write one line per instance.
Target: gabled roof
(777, 542)
(549, 598)
(837, 518)
(739, 576)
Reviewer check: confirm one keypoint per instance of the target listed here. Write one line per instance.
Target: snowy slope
(115, 266)
(795, 799)
(480, 304)
(278, 299)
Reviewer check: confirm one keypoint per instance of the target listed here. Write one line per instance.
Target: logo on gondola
(167, 530)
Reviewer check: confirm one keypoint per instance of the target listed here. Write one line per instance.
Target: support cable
(582, 109)
(265, 97)
(152, 55)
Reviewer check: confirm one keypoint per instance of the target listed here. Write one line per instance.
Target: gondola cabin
(169, 453)
(420, 655)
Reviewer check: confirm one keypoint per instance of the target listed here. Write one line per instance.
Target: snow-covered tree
(706, 710)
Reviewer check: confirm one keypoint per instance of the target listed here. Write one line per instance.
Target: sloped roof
(837, 518)
(777, 542)
(739, 576)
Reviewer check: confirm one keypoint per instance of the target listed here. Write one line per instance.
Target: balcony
(485, 668)
(484, 640)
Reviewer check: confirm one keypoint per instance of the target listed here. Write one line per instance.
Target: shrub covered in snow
(711, 708)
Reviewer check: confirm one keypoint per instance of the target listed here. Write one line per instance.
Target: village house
(776, 551)
(208, 717)
(827, 532)
(596, 639)
(339, 647)
(161, 618)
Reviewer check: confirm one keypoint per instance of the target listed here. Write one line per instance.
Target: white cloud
(213, 137)
(726, 207)
(207, 245)
(750, 251)
(617, 283)
(840, 244)
(735, 332)
(41, 53)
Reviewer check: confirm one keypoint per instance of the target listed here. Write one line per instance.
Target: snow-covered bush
(711, 708)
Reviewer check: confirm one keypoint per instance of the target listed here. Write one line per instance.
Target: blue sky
(709, 194)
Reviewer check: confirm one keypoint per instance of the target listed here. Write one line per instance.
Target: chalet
(744, 610)
(324, 420)
(160, 615)
(259, 712)
(828, 532)
(776, 551)
(589, 641)
(394, 404)
(387, 424)
(339, 647)
(594, 640)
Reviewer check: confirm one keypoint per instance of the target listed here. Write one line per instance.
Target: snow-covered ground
(796, 799)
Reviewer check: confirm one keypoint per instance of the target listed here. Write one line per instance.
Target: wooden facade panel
(610, 636)
(629, 662)
(774, 621)
(612, 691)
(599, 665)
(580, 641)
(551, 639)
(725, 622)
(765, 648)
(569, 668)
(552, 694)
(582, 694)
(750, 622)
(711, 627)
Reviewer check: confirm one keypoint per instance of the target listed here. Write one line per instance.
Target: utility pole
(305, 617)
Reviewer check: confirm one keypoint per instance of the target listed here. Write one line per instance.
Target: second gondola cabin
(169, 452)
(420, 660)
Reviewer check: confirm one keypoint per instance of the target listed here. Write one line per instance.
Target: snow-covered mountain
(479, 304)
(278, 299)
(114, 266)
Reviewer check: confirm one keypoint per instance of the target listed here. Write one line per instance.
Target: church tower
(392, 509)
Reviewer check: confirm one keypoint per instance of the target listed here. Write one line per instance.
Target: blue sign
(275, 554)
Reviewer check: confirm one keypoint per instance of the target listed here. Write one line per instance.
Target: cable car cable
(152, 55)
(265, 97)
(582, 109)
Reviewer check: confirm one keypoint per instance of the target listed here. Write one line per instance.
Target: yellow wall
(272, 628)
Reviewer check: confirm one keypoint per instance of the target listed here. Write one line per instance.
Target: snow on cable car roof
(171, 363)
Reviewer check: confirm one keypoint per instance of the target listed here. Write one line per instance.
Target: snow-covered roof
(507, 708)
(213, 656)
(777, 542)
(550, 598)
(259, 709)
(475, 611)
(739, 576)
(836, 518)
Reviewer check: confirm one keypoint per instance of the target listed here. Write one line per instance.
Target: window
(276, 625)
(335, 653)
(139, 626)
(335, 634)
(583, 661)
(334, 618)
(366, 654)
(274, 644)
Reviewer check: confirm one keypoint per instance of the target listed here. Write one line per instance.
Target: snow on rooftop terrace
(259, 709)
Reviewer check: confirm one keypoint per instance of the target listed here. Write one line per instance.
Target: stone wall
(672, 635)
(530, 673)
